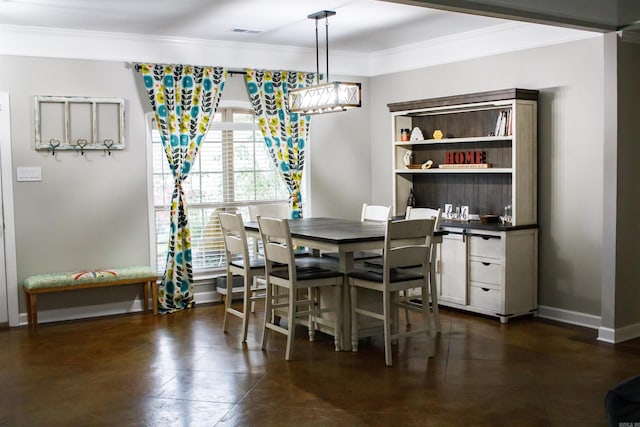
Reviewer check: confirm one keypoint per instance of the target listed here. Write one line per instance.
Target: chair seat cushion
(308, 273)
(376, 276)
(236, 284)
(52, 280)
(377, 263)
(253, 263)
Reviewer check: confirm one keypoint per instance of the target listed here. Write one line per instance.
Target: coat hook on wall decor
(108, 143)
(53, 143)
(81, 143)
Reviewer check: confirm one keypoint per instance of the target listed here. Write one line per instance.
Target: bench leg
(154, 295)
(32, 309)
(145, 292)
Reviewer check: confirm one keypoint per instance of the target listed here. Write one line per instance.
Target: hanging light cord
(326, 43)
(326, 35)
(317, 56)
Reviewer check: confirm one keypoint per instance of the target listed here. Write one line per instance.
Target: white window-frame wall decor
(78, 123)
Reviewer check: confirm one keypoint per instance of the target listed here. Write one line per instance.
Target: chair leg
(314, 300)
(425, 310)
(434, 299)
(227, 301)
(291, 322)
(406, 311)
(268, 315)
(245, 307)
(386, 302)
(337, 333)
(254, 283)
(354, 318)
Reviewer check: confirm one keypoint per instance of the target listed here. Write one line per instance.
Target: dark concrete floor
(181, 370)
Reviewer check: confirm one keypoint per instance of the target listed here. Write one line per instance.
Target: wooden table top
(334, 230)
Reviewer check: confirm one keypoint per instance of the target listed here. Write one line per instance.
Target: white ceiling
(359, 25)
(363, 34)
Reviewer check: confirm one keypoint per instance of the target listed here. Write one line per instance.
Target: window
(232, 171)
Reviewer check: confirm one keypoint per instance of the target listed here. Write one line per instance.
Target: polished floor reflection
(181, 370)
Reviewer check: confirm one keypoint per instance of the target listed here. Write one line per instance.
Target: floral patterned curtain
(184, 99)
(285, 134)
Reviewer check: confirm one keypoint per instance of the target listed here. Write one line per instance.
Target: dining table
(344, 237)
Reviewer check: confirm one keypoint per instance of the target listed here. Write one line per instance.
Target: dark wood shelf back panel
(483, 193)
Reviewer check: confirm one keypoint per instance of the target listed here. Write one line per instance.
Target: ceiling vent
(246, 31)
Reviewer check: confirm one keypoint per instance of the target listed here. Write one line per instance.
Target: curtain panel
(285, 134)
(184, 99)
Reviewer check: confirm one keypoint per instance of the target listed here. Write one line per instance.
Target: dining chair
(269, 210)
(407, 243)
(420, 213)
(296, 289)
(239, 263)
(436, 214)
(375, 213)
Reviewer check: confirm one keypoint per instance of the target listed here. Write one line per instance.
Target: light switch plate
(32, 173)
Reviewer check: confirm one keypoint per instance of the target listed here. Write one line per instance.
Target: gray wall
(570, 211)
(92, 211)
(89, 211)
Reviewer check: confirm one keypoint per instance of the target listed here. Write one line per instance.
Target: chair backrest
(213, 240)
(235, 238)
(273, 210)
(422, 213)
(407, 244)
(375, 213)
(276, 241)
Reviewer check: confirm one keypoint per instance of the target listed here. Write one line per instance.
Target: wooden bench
(59, 282)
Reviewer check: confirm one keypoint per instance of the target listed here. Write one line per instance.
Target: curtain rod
(230, 70)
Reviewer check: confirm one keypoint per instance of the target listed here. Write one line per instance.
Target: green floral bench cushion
(52, 280)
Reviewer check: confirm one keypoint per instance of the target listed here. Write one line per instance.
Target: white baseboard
(571, 317)
(618, 335)
(87, 312)
(608, 335)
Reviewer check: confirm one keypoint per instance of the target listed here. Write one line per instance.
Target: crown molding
(508, 37)
(629, 36)
(75, 44)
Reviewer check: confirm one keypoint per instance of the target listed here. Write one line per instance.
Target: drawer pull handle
(485, 289)
(486, 263)
(485, 237)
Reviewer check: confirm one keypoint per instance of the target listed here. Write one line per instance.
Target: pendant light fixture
(327, 97)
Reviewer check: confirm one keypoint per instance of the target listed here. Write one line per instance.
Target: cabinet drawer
(486, 246)
(486, 271)
(490, 299)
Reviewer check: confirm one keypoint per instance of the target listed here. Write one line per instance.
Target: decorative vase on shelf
(411, 201)
(406, 159)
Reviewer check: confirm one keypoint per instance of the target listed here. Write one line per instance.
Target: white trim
(11, 264)
(509, 37)
(235, 104)
(618, 335)
(568, 316)
(58, 43)
(100, 310)
(149, 175)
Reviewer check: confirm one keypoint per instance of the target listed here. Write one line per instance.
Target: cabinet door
(452, 272)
